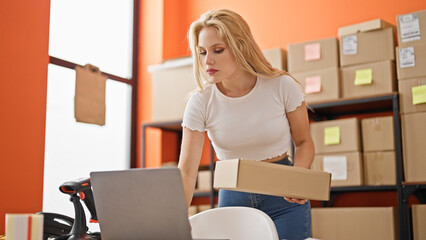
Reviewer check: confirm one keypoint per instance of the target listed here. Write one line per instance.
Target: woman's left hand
(296, 200)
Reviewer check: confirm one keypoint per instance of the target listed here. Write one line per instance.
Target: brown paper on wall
(89, 101)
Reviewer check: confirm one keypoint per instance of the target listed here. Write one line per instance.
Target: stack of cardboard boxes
(359, 152)
(378, 143)
(338, 151)
(367, 59)
(411, 68)
(315, 65)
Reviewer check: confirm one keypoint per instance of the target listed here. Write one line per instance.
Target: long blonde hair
(233, 30)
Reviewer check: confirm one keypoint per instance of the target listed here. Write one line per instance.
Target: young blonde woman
(250, 110)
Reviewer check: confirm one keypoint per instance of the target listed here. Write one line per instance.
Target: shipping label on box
(313, 55)
(413, 146)
(366, 47)
(379, 168)
(377, 134)
(411, 28)
(337, 166)
(412, 95)
(368, 79)
(355, 223)
(411, 61)
(350, 45)
(342, 135)
(272, 179)
(320, 85)
(346, 168)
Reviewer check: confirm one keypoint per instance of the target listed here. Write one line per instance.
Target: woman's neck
(238, 86)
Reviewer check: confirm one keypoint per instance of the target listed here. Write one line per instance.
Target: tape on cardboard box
(375, 24)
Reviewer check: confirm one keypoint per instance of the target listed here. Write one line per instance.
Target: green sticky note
(419, 94)
(363, 76)
(332, 135)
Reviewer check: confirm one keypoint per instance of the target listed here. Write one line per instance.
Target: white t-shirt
(254, 126)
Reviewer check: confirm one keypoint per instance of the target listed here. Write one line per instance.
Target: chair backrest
(233, 223)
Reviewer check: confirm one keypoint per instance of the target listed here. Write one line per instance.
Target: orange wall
(274, 23)
(24, 29)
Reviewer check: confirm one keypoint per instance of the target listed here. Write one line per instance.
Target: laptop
(141, 204)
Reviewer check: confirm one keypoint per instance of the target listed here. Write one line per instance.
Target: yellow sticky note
(332, 135)
(419, 94)
(363, 76)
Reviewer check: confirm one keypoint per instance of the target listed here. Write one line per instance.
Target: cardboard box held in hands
(272, 179)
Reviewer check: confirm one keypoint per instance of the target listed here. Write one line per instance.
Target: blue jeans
(292, 220)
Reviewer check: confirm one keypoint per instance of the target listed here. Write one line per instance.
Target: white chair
(236, 223)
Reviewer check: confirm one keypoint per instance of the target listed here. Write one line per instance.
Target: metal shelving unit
(379, 103)
(332, 110)
(175, 126)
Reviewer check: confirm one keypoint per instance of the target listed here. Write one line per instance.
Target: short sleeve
(193, 117)
(291, 93)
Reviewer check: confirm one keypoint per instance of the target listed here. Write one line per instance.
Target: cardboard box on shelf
(377, 134)
(320, 85)
(277, 57)
(272, 179)
(411, 61)
(372, 25)
(312, 55)
(409, 103)
(379, 168)
(419, 221)
(346, 168)
(204, 207)
(192, 210)
(365, 47)
(354, 223)
(411, 28)
(204, 180)
(172, 81)
(413, 146)
(333, 136)
(368, 79)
